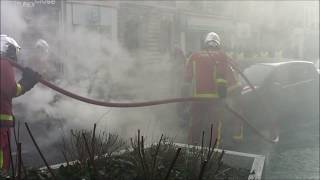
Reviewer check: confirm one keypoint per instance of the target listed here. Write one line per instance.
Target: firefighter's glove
(222, 88)
(29, 79)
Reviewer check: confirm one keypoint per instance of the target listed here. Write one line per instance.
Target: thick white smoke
(12, 22)
(98, 69)
(101, 69)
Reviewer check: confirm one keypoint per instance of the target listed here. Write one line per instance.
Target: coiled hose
(146, 103)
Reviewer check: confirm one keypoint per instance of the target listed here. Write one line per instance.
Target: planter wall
(235, 159)
(252, 162)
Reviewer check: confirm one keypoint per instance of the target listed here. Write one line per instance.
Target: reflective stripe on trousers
(4, 149)
(219, 133)
(1, 158)
(239, 135)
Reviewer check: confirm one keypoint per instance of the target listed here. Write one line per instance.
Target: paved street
(297, 154)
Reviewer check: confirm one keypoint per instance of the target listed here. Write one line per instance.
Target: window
(294, 73)
(257, 73)
(282, 76)
(132, 35)
(302, 72)
(91, 15)
(165, 40)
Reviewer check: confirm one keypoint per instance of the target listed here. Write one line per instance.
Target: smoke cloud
(12, 23)
(99, 68)
(94, 68)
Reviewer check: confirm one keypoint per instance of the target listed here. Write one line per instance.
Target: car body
(286, 92)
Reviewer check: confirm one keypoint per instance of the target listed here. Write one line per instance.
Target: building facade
(151, 29)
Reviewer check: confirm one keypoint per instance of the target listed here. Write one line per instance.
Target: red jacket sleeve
(227, 71)
(8, 86)
(230, 77)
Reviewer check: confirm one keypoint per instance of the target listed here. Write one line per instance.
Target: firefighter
(42, 49)
(209, 76)
(10, 89)
(43, 61)
(39, 58)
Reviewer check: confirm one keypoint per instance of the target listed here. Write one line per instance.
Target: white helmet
(42, 45)
(9, 47)
(212, 39)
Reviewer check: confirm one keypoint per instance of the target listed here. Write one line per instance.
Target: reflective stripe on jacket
(6, 121)
(1, 159)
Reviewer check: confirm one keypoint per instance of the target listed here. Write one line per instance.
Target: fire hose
(143, 104)
(111, 104)
(237, 114)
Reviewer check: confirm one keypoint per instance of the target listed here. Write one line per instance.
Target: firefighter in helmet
(39, 58)
(10, 89)
(211, 77)
(43, 61)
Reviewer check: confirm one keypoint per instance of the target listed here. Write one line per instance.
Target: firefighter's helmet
(212, 40)
(42, 46)
(9, 47)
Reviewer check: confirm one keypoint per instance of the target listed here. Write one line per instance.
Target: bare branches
(93, 138)
(155, 156)
(161, 161)
(202, 169)
(210, 152)
(39, 151)
(142, 159)
(172, 163)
